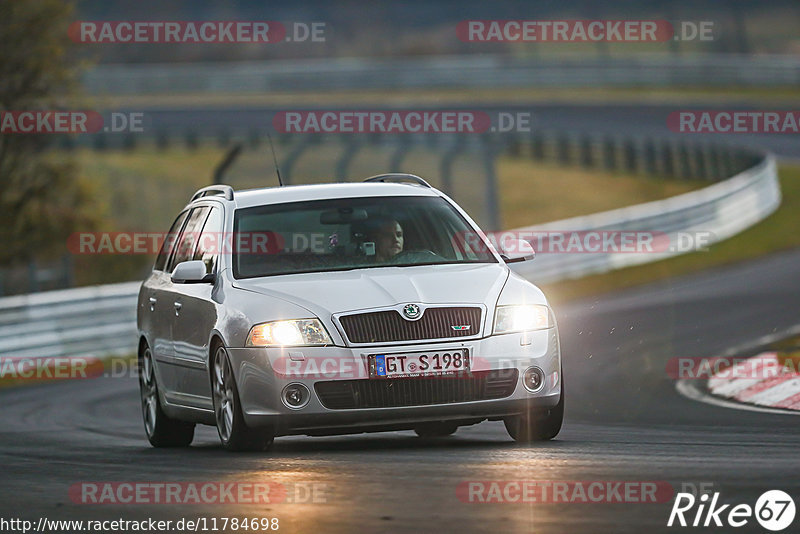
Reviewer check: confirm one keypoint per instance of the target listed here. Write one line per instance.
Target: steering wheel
(421, 256)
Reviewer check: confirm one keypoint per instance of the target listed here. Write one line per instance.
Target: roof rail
(214, 190)
(398, 177)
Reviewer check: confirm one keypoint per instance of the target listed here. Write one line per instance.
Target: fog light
(533, 379)
(295, 396)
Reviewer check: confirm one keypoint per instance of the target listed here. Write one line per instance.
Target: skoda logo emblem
(411, 311)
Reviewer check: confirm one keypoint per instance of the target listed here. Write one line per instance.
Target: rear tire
(435, 430)
(234, 434)
(161, 430)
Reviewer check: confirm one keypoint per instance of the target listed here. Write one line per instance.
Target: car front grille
(389, 325)
(399, 392)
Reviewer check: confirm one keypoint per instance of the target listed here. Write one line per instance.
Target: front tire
(234, 434)
(161, 430)
(537, 425)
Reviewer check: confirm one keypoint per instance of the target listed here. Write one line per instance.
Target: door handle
(152, 304)
(178, 307)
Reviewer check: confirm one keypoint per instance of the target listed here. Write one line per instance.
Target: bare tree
(41, 198)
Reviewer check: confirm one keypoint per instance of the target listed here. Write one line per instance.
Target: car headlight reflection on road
(299, 332)
(522, 318)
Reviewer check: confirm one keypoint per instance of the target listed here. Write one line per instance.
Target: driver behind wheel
(387, 234)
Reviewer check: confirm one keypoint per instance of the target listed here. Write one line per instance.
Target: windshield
(352, 233)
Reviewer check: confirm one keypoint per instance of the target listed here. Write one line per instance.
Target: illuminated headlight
(300, 332)
(522, 318)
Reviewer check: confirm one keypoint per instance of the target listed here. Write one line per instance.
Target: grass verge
(777, 232)
(540, 192)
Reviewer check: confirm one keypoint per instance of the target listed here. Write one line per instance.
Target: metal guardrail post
(587, 152)
(223, 138)
(287, 169)
(99, 142)
(703, 168)
(129, 141)
(351, 149)
(685, 162)
(403, 148)
(563, 150)
(631, 163)
(162, 140)
(537, 146)
(191, 140)
(492, 202)
(446, 165)
(609, 154)
(668, 159)
(650, 158)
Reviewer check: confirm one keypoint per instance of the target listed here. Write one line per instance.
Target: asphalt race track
(624, 422)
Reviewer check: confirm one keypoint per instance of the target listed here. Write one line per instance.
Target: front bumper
(262, 373)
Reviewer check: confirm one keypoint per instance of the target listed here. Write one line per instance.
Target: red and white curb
(762, 380)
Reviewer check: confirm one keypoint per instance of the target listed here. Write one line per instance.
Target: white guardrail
(713, 214)
(101, 320)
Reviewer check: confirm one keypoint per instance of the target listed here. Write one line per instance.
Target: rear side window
(209, 244)
(184, 249)
(169, 242)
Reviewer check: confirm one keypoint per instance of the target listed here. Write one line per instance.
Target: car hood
(340, 291)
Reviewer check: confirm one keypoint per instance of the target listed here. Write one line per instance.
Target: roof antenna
(277, 170)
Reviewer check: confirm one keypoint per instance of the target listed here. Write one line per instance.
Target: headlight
(521, 318)
(299, 332)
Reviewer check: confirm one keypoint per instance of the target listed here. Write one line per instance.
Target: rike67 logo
(774, 510)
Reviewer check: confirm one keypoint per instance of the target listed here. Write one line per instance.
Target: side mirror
(191, 272)
(516, 250)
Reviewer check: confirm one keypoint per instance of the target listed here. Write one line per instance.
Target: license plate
(413, 364)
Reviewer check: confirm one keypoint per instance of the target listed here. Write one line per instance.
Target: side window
(184, 249)
(210, 242)
(169, 242)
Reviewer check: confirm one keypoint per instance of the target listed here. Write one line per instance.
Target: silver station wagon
(341, 308)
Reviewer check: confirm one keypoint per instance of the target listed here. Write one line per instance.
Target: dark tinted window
(169, 242)
(352, 233)
(211, 239)
(184, 250)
